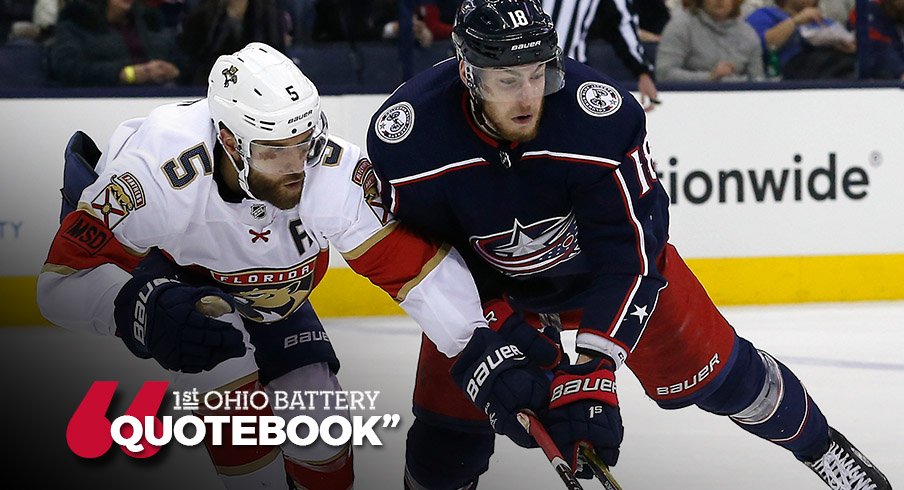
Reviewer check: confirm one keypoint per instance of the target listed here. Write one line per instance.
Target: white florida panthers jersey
(156, 188)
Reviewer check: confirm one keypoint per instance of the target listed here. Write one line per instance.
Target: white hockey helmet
(262, 96)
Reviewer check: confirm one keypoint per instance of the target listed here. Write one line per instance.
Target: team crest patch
(365, 176)
(395, 123)
(120, 197)
(599, 99)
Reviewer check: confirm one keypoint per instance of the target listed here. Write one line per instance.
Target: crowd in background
(142, 42)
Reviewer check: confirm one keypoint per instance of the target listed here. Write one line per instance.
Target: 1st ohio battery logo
(829, 180)
(233, 418)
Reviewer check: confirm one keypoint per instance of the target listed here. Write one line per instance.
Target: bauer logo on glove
(491, 362)
(139, 326)
(597, 387)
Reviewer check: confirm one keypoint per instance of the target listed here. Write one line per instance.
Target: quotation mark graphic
(88, 432)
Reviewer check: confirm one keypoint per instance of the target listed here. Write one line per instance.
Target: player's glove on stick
(499, 379)
(543, 349)
(583, 409)
(157, 317)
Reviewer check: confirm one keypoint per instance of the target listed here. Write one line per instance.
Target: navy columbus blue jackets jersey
(572, 220)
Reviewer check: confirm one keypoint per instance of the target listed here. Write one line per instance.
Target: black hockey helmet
(492, 34)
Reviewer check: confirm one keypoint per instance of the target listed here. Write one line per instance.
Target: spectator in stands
(422, 31)
(43, 21)
(652, 16)
(880, 35)
(12, 12)
(218, 27)
(353, 20)
(837, 10)
(808, 45)
(110, 42)
(439, 15)
(173, 11)
(709, 42)
(303, 15)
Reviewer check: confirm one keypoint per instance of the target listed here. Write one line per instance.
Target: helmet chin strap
(240, 170)
(476, 105)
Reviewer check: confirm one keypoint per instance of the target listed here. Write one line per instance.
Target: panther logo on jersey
(120, 197)
(271, 294)
(528, 249)
(599, 99)
(395, 123)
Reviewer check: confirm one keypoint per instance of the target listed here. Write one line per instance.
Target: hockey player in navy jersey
(538, 169)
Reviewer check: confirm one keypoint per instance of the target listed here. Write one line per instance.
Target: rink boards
(779, 196)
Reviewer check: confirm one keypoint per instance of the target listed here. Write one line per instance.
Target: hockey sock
(337, 473)
(244, 467)
(763, 397)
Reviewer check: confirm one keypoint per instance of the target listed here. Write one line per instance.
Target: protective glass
(272, 158)
(512, 83)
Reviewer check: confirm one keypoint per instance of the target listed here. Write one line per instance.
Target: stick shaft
(533, 426)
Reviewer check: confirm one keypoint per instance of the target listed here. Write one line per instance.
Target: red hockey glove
(583, 408)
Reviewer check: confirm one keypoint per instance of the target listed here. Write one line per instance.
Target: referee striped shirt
(573, 19)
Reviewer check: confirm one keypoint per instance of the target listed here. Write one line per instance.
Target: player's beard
(273, 188)
(499, 116)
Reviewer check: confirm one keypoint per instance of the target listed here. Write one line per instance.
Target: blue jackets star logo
(532, 248)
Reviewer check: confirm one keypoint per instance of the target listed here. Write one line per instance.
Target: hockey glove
(583, 409)
(542, 349)
(497, 377)
(156, 317)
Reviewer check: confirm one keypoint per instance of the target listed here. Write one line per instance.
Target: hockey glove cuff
(497, 377)
(543, 349)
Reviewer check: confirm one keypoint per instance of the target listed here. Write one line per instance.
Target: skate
(844, 467)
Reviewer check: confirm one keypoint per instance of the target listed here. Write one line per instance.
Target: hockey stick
(600, 469)
(533, 426)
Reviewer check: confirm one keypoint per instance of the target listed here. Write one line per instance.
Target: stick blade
(600, 469)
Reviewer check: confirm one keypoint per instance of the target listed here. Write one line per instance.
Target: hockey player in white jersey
(234, 200)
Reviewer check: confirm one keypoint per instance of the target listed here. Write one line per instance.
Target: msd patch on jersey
(87, 233)
(271, 293)
(598, 99)
(395, 123)
(532, 248)
(120, 197)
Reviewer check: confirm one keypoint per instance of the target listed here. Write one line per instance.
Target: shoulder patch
(120, 197)
(598, 99)
(365, 177)
(395, 123)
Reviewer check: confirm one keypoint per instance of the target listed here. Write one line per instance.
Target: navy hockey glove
(157, 317)
(583, 408)
(542, 349)
(499, 379)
